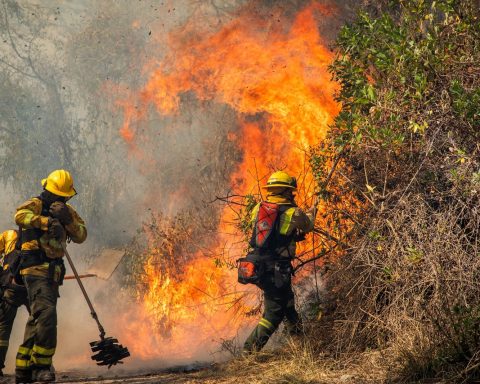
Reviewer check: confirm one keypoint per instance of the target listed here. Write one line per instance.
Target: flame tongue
(279, 79)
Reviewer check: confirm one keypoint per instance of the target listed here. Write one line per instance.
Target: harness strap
(281, 242)
(33, 258)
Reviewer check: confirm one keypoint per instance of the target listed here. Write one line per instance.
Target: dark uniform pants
(40, 338)
(14, 296)
(279, 304)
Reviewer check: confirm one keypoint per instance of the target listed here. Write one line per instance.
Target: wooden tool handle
(72, 277)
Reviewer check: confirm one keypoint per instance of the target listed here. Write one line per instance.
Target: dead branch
(321, 255)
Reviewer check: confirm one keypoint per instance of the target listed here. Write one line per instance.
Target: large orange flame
(280, 88)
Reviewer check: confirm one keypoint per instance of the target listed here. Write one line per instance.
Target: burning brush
(107, 350)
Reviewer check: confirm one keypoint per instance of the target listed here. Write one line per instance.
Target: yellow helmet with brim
(281, 179)
(60, 183)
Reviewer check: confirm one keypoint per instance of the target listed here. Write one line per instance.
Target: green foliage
(375, 235)
(389, 69)
(244, 222)
(466, 103)
(466, 326)
(320, 159)
(414, 255)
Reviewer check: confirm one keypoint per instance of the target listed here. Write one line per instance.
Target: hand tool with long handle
(107, 351)
(103, 266)
(84, 276)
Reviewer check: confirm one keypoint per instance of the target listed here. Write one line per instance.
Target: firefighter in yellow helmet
(274, 244)
(13, 295)
(45, 223)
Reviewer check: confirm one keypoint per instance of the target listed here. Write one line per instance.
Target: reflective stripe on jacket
(29, 215)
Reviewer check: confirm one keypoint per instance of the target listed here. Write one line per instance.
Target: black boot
(43, 375)
(23, 376)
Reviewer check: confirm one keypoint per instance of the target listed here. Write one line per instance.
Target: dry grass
(298, 363)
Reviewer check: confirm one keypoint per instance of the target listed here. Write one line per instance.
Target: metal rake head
(108, 351)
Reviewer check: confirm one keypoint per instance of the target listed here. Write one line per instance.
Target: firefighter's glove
(60, 211)
(56, 230)
(299, 235)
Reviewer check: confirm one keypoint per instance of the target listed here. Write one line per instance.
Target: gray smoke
(63, 68)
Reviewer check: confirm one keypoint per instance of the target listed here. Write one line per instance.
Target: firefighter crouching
(13, 295)
(45, 222)
(277, 225)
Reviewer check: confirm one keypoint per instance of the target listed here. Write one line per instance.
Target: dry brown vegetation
(297, 363)
(413, 288)
(408, 286)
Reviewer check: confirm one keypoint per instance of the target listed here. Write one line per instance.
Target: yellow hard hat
(60, 183)
(281, 179)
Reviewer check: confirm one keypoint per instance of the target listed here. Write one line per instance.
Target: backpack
(266, 223)
(251, 268)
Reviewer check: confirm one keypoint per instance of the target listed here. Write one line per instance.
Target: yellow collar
(279, 199)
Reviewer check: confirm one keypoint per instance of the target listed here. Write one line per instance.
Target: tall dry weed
(413, 290)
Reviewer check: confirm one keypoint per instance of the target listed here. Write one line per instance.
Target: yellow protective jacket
(293, 221)
(29, 215)
(8, 240)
